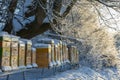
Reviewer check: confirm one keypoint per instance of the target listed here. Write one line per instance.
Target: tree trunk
(11, 8)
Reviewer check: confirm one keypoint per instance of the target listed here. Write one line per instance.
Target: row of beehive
(16, 53)
(52, 53)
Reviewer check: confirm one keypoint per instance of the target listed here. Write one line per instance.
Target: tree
(22, 17)
(32, 16)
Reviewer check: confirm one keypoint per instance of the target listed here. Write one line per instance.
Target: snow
(19, 14)
(63, 9)
(49, 41)
(49, 11)
(65, 4)
(111, 18)
(17, 11)
(86, 73)
(42, 45)
(46, 20)
(3, 12)
(26, 4)
(34, 49)
(2, 26)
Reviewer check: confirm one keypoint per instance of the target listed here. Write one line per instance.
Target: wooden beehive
(43, 55)
(51, 42)
(76, 56)
(5, 51)
(61, 53)
(58, 54)
(71, 54)
(55, 53)
(28, 53)
(14, 52)
(65, 51)
(21, 55)
(66, 54)
(34, 58)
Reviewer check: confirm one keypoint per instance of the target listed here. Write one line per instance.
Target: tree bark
(11, 9)
(36, 27)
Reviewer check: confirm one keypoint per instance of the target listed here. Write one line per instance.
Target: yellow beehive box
(5, 51)
(51, 42)
(28, 53)
(14, 52)
(43, 55)
(21, 55)
(34, 58)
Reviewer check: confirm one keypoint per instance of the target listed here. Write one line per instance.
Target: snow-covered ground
(86, 73)
(82, 73)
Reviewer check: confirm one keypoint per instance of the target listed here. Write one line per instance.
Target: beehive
(51, 42)
(61, 52)
(43, 55)
(76, 56)
(21, 55)
(55, 53)
(71, 54)
(58, 53)
(66, 54)
(34, 57)
(5, 51)
(28, 53)
(14, 52)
